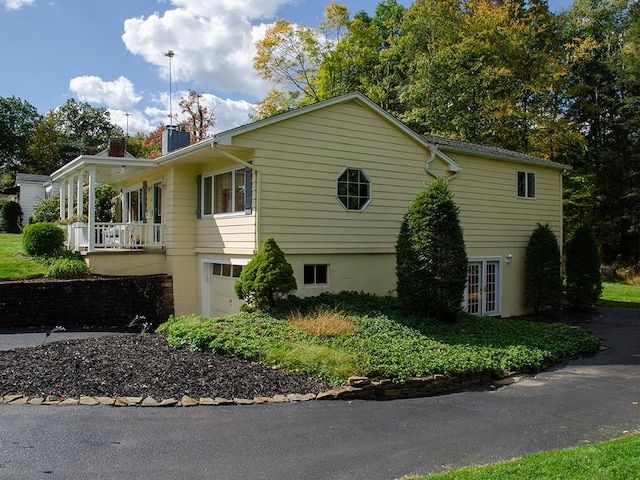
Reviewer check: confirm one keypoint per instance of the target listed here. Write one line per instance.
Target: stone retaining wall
(91, 302)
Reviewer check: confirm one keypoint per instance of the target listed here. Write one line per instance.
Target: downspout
(453, 166)
(231, 156)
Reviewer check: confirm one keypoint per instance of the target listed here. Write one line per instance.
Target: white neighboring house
(32, 189)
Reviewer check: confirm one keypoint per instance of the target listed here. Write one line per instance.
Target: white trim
(361, 170)
(212, 175)
(499, 287)
(526, 185)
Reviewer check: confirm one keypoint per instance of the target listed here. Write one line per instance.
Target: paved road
(586, 401)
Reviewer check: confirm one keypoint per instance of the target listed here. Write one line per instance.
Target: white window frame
(527, 193)
(498, 281)
(126, 203)
(369, 190)
(234, 189)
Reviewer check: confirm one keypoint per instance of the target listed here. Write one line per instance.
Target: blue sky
(111, 53)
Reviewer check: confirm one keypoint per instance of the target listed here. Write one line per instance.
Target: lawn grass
(14, 264)
(615, 459)
(378, 346)
(616, 294)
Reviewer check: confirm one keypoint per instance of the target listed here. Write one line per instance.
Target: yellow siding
(302, 158)
(126, 263)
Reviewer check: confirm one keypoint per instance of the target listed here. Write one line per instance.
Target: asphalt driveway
(587, 400)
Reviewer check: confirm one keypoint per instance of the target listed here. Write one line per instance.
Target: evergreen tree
(584, 283)
(267, 278)
(431, 256)
(543, 276)
(11, 217)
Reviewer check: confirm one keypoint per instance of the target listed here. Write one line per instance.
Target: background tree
(200, 117)
(18, 120)
(584, 283)
(11, 217)
(431, 256)
(266, 279)
(146, 146)
(288, 56)
(543, 275)
(85, 129)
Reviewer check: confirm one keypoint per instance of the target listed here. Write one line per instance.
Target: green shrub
(71, 266)
(11, 217)
(431, 260)
(543, 276)
(43, 239)
(584, 283)
(48, 210)
(267, 279)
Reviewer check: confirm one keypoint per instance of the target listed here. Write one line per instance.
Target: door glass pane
(473, 288)
(490, 282)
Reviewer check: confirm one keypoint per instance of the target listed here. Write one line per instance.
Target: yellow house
(330, 183)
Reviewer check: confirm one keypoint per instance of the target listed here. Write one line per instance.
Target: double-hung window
(224, 192)
(526, 185)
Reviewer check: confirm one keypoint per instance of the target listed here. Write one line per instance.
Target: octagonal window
(354, 189)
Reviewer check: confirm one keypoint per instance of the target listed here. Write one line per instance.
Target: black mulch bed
(123, 365)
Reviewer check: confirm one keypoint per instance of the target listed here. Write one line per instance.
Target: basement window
(316, 274)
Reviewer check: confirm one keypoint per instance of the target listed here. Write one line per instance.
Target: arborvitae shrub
(48, 210)
(543, 275)
(43, 239)
(11, 217)
(431, 259)
(584, 283)
(266, 279)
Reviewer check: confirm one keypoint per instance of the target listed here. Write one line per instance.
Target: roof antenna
(170, 54)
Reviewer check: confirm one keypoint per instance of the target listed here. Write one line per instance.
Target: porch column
(91, 210)
(79, 202)
(63, 201)
(69, 199)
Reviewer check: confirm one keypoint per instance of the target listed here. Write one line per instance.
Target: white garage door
(222, 293)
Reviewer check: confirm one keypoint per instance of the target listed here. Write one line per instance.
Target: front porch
(139, 226)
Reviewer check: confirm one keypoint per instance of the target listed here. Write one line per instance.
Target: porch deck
(113, 236)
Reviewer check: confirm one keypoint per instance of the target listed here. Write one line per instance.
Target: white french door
(483, 287)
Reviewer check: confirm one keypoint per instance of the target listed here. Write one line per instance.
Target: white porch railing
(111, 235)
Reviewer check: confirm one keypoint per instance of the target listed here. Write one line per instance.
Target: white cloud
(15, 4)
(118, 94)
(213, 41)
(229, 113)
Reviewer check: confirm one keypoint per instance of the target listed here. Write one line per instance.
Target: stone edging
(355, 388)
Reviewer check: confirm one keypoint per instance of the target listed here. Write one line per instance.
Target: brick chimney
(116, 147)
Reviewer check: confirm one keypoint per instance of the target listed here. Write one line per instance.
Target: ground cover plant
(613, 459)
(380, 345)
(618, 294)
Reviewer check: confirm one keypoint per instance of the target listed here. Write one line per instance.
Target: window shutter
(199, 196)
(247, 190)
